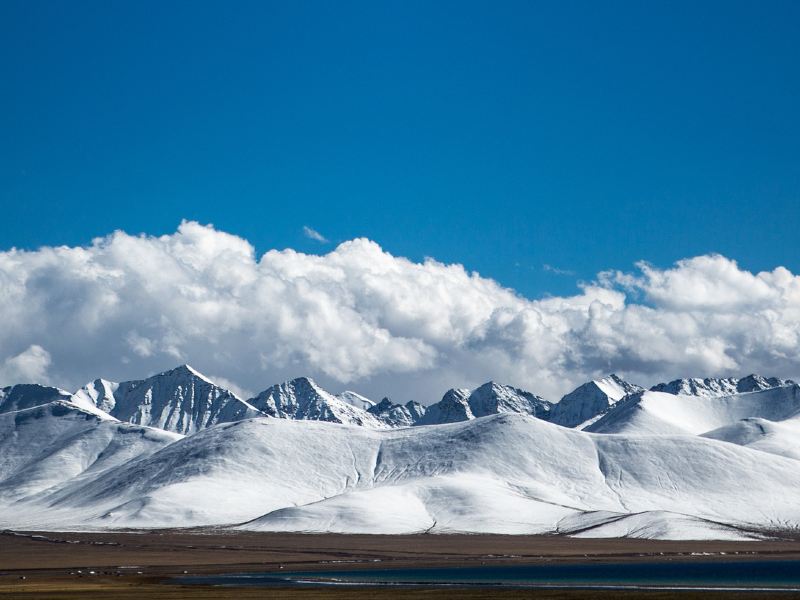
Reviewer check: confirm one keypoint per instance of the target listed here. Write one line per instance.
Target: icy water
(752, 575)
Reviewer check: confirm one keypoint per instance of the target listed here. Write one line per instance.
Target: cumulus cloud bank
(360, 318)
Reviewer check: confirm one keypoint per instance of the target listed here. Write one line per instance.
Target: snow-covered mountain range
(693, 458)
(719, 387)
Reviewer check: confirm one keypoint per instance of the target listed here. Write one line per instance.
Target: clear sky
(504, 136)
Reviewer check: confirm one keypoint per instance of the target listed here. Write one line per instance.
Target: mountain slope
(590, 400)
(354, 399)
(655, 524)
(462, 477)
(781, 438)
(60, 444)
(665, 414)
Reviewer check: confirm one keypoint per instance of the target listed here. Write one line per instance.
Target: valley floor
(135, 565)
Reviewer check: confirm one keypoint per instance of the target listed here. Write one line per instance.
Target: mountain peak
(591, 399)
(302, 399)
(385, 404)
(397, 415)
(28, 395)
(97, 394)
(492, 398)
(611, 377)
(492, 386)
(181, 400)
(306, 383)
(453, 407)
(755, 382)
(185, 370)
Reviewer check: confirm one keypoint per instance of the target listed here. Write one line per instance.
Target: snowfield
(652, 464)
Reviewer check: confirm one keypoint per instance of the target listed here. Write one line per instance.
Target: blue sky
(504, 136)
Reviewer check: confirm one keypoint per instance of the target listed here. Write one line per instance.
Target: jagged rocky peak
(493, 398)
(590, 400)
(28, 395)
(181, 400)
(384, 405)
(755, 383)
(453, 407)
(456, 395)
(303, 399)
(712, 386)
(698, 387)
(489, 399)
(290, 399)
(415, 409)
(616, 387)
(98, 393)
(182, 375)
(398, 415)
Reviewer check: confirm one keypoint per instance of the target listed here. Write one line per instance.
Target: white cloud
(29, 366)
(127, 306)
(314, 234)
